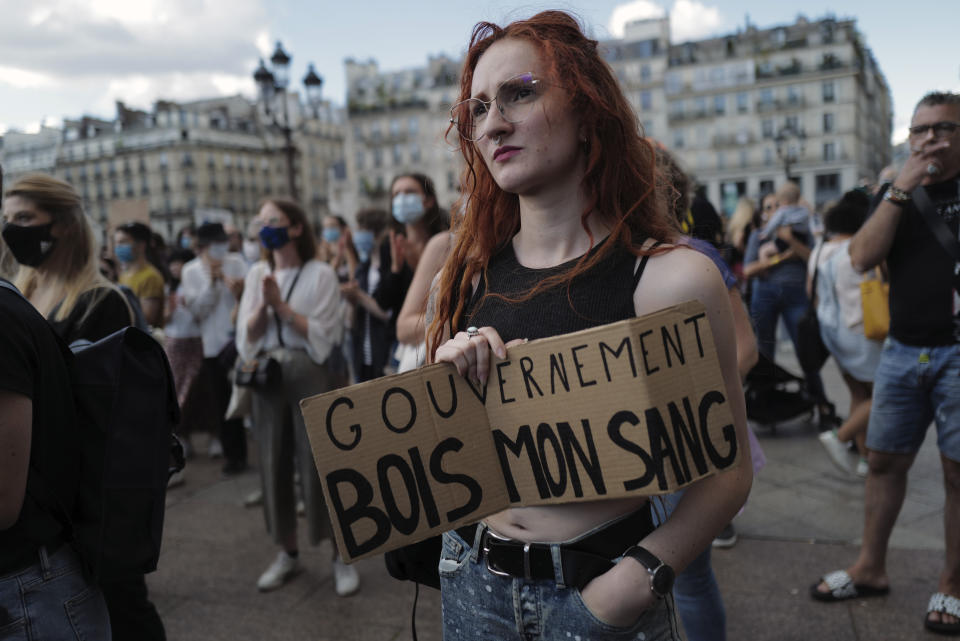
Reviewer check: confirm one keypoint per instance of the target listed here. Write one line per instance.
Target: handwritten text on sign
(637, 407)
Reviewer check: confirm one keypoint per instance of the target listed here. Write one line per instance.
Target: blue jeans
(696, 592)
(481, 606)
(771, 300)
(912, 387)
(52, 600)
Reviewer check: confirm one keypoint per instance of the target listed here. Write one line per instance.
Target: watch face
(662, 581)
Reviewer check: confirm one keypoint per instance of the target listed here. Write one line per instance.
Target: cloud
(24, 79)
(140, 90)
(636, 10)
(689, 19)
(96, 38)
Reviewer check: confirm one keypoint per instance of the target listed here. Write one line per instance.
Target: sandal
(945, 604)
(843, 588)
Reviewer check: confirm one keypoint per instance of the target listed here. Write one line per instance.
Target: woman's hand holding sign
(469, 352)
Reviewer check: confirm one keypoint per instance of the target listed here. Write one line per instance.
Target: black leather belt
(581, 560)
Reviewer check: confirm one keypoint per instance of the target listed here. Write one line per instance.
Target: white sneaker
(215, 448)
(282, 568)
(253, 499)
(346, 581)
(838, 451)
(862, 468)
(175, 479)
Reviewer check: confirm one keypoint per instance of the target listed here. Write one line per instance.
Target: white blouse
(316, 296)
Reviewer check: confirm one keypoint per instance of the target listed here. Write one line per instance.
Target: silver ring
(471, 332)
(932, 169)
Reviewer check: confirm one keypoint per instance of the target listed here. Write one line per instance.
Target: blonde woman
(52, 239)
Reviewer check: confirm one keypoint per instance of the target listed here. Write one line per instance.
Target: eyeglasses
(941, 130)
(515, 97)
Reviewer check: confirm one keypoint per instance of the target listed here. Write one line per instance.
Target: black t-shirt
(98, 313)
(32, 363)
(922, 298)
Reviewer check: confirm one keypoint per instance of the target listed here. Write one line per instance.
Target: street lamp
(787, 151)
(272, 84)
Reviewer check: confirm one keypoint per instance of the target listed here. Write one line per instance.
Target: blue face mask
(124, 253)
(274, 237)
(185, 242)
(331, 234)
(407, 208)
(363, 240)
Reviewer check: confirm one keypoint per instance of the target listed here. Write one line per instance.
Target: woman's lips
(502, 154)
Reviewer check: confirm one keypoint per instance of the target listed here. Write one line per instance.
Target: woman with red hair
(561, 216)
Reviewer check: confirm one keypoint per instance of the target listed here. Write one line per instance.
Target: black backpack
(127, 408)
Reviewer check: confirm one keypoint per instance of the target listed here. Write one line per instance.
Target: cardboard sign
(632, 408)
(129, 210)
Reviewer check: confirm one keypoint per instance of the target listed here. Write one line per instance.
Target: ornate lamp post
(790, 147)
(272, 85)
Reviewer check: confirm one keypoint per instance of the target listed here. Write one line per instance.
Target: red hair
(620, 182)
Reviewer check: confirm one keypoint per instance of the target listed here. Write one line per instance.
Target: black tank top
(602, 295)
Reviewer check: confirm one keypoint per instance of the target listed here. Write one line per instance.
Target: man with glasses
(918, 379)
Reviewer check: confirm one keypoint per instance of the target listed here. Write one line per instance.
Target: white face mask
(408, 208)
(251, 250)
(218, 251)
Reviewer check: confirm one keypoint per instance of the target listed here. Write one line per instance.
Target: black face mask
(29, 245)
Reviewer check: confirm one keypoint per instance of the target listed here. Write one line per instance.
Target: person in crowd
(210, 289)
(183, 344)
(742, 222)
(234, 238)
(561, 215)
(707, 224)
(252, 248)
(131, 241)
(414, 205)
(336, 247)
(371, 334)
(38, 435)
(410, 321)
(696, 590)
(291, 311)
(917, 379)
(186, 238)
(776, 257)
(56, 247)
(840, 313)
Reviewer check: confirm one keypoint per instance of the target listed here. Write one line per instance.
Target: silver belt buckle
(486, 552)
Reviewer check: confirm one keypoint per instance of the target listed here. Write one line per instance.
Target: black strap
(939, 228)
(813, 283)
(642, 266)
(286, 300)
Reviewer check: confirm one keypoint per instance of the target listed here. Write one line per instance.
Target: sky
(67, 58)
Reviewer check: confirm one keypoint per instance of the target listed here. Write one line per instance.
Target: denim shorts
(913, 387)
(51, 599)
(479, 605)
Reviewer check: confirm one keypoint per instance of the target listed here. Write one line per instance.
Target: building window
(646, 100)
(827, 123)
(793, 95)
(359, 161)
(766, 97)
(719, 105)
(721, 161)
(227, 161)
(766, 127)
(829, 151)
(828, 182)
(700, 106)
(414, 153)
(645, 73)
(792, 123)
(766, 187)
(163, 160)
(357, 132)
(768, 156)
(676, 109)
(394, 126)
(743, 104)
(829, 93)
(743, 158)
(678, 139)
(397, 154)
(413, 126)
(648, 127)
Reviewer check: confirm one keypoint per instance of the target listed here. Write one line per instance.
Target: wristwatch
(896, 196)
(661, 574)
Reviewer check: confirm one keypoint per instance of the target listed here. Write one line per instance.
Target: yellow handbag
(875, 299)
